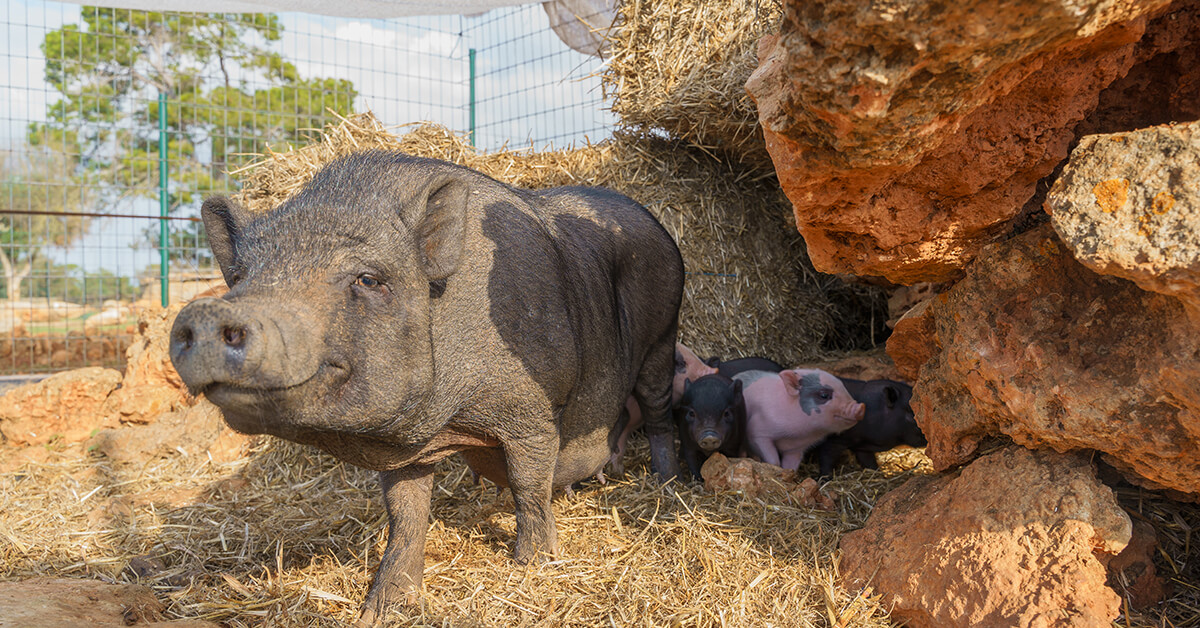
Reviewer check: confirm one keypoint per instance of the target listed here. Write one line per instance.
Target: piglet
(711, 417)
(790, 411)
(729, 368)
(888, 422)
(688, 366)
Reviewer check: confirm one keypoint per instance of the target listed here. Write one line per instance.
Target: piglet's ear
(439, 222)
(791, 381)
(224, 220)
(737, 387)
(893, 396)
(687, 383)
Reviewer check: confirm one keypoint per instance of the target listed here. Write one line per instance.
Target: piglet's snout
(709, 441)
(854, 412)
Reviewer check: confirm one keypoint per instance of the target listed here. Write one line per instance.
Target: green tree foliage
(229, 96)
(38, 194)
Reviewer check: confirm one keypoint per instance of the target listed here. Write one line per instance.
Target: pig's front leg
(691, 455)
(827, 456)
(530, 462)
(764, 449)
(406, 493)
(792, 458)
(866, 459)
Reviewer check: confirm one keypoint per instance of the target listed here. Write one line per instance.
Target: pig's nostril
(187, 338)
(233, 336)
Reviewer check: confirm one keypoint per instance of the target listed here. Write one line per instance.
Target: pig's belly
(581, 458)
(797, 442)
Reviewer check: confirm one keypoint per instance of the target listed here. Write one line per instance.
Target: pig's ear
(440, 226)
(687, 383)
(791, 381)
(737, 387)
(893, 396)
(223, 222)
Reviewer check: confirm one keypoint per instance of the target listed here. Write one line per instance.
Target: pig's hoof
(376, 609)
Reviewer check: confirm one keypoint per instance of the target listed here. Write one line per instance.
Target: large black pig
(398, 310)
(888, 422)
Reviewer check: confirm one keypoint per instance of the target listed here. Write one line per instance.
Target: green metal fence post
(164, 265)
(471, 135)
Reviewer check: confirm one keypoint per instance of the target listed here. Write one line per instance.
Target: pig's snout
(709, 441)
(857, 412)
(211, 342)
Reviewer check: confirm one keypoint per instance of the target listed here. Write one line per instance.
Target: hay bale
(750, 288)
(682, 67)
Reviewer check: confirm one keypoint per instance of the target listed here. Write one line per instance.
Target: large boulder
(65, 407)
(909, 134)
(954, 551)
(1034, 346)
(1128, 205)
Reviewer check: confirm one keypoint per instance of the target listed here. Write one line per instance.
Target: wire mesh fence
(120, 122)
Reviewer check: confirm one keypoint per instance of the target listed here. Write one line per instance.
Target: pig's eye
(690, 416)
(825, 394)
(367, 281)
(728, 416)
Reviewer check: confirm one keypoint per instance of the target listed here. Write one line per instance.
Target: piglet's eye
(825, 394)
(367, 281)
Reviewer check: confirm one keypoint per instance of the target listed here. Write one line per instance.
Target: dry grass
(290, 537)
(681, 66)
(750, 288)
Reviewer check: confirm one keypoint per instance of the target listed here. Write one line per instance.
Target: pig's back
(613, 243)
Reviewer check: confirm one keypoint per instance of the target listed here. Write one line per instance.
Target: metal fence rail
(120, 122)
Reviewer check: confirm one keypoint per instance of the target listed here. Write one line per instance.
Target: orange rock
(909, 136)
(955, 551)
(63, 406)
(1132, 572)
(1036, 347)
(759, 479)
(151, 388)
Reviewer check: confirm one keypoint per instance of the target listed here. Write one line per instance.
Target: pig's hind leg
(531, 461)
(652, 390)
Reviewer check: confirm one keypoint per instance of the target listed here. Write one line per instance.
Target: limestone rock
(1133, 573)
(1036, 347)
(151, 388)
(64, 602)
(63, 406)
(913, 341)
(955, 551)
(909, 134)
(759, 479)
(1128, 205)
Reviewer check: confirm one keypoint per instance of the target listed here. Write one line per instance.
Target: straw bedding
(681, 66)
(290, 537)
(750, 288)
